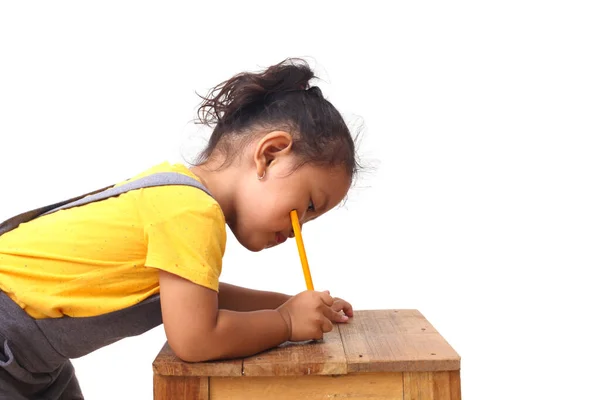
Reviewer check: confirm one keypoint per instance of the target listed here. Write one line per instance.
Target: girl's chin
(254, 247)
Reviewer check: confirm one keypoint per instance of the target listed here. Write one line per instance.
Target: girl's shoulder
(165, 166)
(169, 201)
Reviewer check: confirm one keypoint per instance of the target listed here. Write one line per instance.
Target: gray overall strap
(158, 179)
(13, 222)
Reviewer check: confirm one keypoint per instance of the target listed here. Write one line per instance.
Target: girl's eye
(311, 206)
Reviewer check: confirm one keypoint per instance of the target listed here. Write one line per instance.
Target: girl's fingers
(342, 305)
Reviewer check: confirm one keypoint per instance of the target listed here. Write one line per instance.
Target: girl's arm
(236, 298)
(197, 330)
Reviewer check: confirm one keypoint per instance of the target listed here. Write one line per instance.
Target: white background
(480, 126)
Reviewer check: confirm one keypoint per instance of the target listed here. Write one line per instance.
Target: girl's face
(262, 206)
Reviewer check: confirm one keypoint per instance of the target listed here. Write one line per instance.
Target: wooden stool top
(371, 341)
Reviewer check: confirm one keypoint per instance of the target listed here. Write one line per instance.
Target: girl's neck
(221, 183)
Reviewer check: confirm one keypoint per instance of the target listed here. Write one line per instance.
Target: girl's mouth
(280, 238)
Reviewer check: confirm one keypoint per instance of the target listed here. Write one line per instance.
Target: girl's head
(277, 145)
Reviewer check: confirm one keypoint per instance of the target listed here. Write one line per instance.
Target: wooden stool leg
(442, 385)
(169, 387)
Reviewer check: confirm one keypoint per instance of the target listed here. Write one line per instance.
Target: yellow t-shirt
(104, 256)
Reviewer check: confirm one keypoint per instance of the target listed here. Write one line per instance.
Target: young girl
(82, 274)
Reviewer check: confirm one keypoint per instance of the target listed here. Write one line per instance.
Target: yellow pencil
(301, 251)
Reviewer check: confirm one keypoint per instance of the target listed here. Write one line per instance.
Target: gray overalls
(35, 353)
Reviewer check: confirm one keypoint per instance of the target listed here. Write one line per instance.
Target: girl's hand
(309, 315)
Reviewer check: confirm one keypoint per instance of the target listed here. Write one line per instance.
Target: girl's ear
(269, 149)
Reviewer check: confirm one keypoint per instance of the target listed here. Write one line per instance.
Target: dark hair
(279, 97)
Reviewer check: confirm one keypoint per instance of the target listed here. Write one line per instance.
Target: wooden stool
(378, 354)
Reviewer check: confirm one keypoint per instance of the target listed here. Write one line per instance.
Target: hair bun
(289, 75)
(316, 91)
(246, 89)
